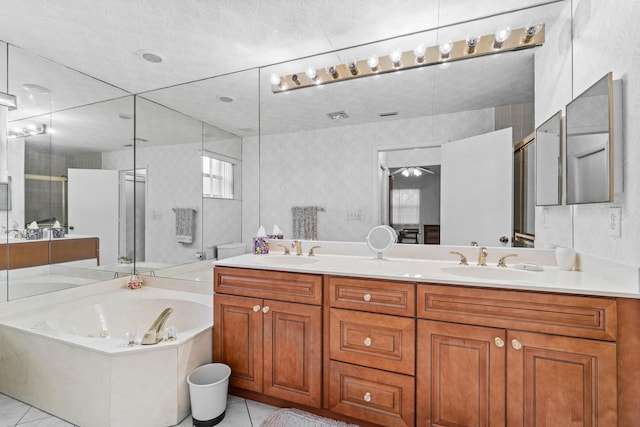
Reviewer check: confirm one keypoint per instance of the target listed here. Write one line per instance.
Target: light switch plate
(615, 214)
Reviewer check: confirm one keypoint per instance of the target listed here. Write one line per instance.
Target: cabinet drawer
(586, 317)
(372, 295)
(377, 340)
(379, 397)
(291, 287)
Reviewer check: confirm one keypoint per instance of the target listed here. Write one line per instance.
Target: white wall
(335, 169)
(607, 38)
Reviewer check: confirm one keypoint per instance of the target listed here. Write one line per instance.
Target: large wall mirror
(308, 159)
(549, 161)
(141, 158)
(591, 144)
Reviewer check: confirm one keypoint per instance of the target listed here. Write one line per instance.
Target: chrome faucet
(298, 245)
(153, 335)
(482, 258)
(501, 261)
(286, 249)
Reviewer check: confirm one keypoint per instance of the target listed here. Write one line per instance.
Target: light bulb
(373, 61)
(501, 35)
(296, 79)
(445, 48)
(275, 79)
(417, 172)
(405, 173)
(311, 73)
(419, 52)
(472, 42)
(395, 57)
(333, 72)
(531, 31)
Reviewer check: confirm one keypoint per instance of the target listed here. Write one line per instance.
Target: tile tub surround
(68, 379)
(425, 263)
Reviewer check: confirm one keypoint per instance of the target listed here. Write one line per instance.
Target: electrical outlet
(614, 221)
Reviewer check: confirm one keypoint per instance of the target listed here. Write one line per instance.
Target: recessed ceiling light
(33, 88)
(124, 116)
(390, 113)
(150, 56)
(338, 115)
(225, 98)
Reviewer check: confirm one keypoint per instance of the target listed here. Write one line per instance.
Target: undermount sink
(488, 273)
(284, 260)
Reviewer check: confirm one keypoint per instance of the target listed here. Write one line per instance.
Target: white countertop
(435, 264)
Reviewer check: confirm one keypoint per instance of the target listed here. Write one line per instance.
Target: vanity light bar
(521, 38)
(26, 131)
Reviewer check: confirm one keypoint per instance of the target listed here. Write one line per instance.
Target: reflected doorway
(133, 202)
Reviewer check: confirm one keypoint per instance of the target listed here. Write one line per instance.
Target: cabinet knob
(256, 308)
(265, 309)
(367, 342)
(367, 397)
(516, 344)
(367, 297)
(499, 342)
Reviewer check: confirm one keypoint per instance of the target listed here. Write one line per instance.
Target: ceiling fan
(408, 171)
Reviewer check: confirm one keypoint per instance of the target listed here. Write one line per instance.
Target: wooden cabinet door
(293, 352)
(460, 375)
(560, 381)
(237, 339)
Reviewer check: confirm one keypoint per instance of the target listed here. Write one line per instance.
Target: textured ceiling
(85, 52)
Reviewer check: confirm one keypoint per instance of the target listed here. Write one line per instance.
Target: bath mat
(290, 417)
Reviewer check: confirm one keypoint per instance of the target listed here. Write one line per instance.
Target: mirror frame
(609, 147)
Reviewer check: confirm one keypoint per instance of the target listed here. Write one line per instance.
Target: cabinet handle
(367, 297)
(256, 308)
(516, 344)
(265, 309)
(367, 397)
(499, 342)
(367, 342)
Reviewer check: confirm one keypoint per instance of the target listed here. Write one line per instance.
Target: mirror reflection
(280, 151)
(590, 144)
(549, 161)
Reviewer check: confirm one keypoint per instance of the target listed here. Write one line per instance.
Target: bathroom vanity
(356, 339)
(32, 253)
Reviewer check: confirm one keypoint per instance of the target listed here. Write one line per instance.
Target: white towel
(185, 224)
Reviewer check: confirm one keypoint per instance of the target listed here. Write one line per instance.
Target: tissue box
(57, 233)
(275, 236)
(260, 245)
(33, 233)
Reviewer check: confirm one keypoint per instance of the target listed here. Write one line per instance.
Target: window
(217, 177)
(405, 206)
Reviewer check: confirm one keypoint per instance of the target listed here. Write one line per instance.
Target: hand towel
(185, 224)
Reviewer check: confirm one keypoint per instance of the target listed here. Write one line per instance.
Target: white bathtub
(71, 359)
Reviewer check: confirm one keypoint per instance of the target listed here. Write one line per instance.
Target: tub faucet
(298, 245)
(482, 258)
(153, 335)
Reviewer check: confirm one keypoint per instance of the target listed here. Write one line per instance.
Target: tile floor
(240, 413)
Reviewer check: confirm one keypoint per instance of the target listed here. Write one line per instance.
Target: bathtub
(71, 358)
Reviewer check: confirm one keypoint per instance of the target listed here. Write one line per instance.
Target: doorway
(133, 202)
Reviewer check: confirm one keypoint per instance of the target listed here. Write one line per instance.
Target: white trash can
(208, 386)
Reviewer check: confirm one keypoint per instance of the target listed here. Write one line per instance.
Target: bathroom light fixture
(501, 35)
(472, 42)
(408, 171)
(531, 31)
(150, 56)
(311, 73)
(396, 57)
(503, 40)
(419, 52)
(445, 49)
(25, 131)
(34, 88)
(373, 61)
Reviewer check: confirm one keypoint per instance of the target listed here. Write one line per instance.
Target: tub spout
(153, 335)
